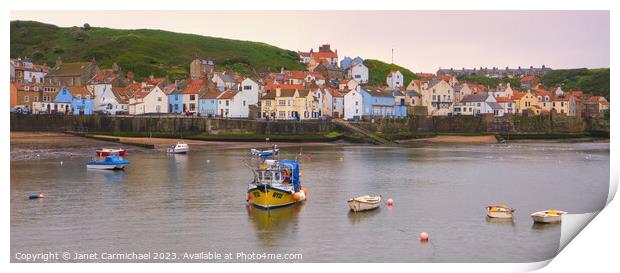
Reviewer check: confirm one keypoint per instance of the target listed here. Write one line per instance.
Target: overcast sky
(423, 41)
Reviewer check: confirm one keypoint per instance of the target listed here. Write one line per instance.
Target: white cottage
(358, 72)
(353, 105)
(395, 79)
(233, 104)
(251, 90)
(148, 100)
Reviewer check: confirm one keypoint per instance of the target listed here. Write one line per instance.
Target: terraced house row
(329, 87)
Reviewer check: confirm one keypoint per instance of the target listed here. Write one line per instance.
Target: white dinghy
(364, 203)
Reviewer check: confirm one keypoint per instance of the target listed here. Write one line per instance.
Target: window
(79, 97)
(281, 102)
(36, 99)
(158, 98)
(356, 103)
(26, 98)
(243, 103)
(192, 97)
(281, 114)
(87, 97)
(247, 87)
(267, 103)
(192, 107)
(46, 98)
(227, 102)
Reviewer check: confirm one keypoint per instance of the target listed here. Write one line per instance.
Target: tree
(86, 26)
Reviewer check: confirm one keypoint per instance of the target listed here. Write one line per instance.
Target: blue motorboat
(112, 162)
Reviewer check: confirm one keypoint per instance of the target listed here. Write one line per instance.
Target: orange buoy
(249, 197)
(390, 202)
(423, 237)
(305, 191)
(296, 196)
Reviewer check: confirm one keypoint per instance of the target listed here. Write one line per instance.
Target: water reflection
(504, 221)
(196, 201)
(360, 217)
(274, 219)
(545, 226)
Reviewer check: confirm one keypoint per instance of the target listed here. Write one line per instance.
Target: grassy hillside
(378, 70)
(144, 51)
(588, 80)
(486, 81)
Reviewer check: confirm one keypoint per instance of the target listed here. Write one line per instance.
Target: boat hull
(546, 217)
(178, 151)
(270, 198)
(357, 205)
(110, 152)
(499, 214)
(105, 166)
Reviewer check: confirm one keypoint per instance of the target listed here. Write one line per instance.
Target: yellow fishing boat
(276, 184)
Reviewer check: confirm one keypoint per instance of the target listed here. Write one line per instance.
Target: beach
(48, 145)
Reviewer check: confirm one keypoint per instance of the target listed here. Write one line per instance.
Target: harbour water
(195, 203)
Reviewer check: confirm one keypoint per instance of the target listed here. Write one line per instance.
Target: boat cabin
(280, 172)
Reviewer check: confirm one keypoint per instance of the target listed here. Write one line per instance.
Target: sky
(423, 41)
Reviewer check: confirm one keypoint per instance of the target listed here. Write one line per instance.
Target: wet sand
(45, 145)
(488, 139)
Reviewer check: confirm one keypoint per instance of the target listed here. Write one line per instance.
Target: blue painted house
(381, 104)
(79, 98)
(346, 62)
(175, 101)
(207, 103)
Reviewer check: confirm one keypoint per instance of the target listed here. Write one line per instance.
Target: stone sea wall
(173, 124)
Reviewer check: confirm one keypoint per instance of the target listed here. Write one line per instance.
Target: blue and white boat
(112, 162)
(264, 153)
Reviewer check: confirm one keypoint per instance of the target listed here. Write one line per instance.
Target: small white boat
(501, 211)
(364, 203)
(548, 216)
(179, 148)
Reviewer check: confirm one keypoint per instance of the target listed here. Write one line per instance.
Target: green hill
(491, 82)
(378, 70)
(143, 51)
(588, 80)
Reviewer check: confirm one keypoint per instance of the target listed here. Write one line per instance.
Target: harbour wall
(421, 124)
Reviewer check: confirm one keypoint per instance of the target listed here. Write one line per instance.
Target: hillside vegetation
(587, 80)
(378, 71)
(144, 51)
(491, 82)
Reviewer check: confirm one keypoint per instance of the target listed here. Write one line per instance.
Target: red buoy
(390, 202)
(423, 237)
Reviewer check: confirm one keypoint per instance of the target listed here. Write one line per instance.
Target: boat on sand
(107, 152)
